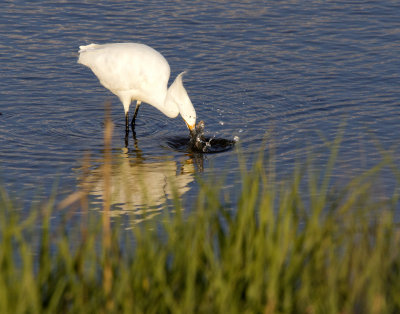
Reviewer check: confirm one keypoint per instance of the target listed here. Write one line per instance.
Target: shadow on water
(194, 147)
(196, 144)
(212, 145)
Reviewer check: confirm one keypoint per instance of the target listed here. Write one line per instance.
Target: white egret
(135, 71)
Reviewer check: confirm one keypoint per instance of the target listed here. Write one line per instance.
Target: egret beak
(192, 128)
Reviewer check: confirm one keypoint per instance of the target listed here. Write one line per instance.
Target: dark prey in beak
(197, 139)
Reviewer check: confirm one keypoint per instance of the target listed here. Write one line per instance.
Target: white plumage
(138, 72)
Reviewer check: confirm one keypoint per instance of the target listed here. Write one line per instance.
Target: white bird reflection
(140, 187)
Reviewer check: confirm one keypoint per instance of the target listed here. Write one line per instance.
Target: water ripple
(291, 70)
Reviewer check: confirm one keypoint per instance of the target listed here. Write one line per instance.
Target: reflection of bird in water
(140, 186)
(138, 72)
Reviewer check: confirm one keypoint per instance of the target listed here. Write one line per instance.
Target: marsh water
(283, 74)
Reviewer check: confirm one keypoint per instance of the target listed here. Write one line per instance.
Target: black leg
(126, 139)
(127, 122)
(126, 129)
(134, 138)
(135, 114)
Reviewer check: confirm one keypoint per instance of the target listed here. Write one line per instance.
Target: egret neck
(178, 96)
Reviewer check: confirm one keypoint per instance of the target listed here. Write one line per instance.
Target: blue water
(291, 71)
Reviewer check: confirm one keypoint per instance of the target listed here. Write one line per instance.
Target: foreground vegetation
(268, 250)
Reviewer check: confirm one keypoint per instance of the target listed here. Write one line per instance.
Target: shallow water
(291, 72)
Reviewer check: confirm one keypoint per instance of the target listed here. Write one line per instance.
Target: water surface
(293, 71)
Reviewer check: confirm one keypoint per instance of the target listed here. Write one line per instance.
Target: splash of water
(197, 140)
(202, 144)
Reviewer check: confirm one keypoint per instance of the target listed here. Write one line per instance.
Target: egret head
(181, 99)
